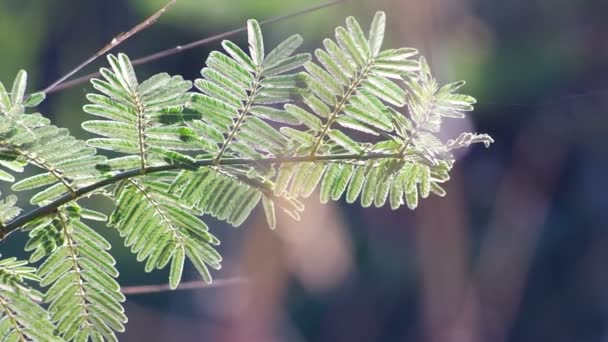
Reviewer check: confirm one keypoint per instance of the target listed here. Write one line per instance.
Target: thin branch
(188, 46)
(187, 285)
(112, 44)
(51, 207)
(158, 288)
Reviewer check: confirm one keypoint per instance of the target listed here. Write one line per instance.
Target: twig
(112, 44)
(188, 46)
(187, 285)
(147, 289)
(51, 207)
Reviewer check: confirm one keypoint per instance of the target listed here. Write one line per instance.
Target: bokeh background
(517, 251)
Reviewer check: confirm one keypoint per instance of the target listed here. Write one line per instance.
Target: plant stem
(112, 44)
(191, 45)
(51, 207)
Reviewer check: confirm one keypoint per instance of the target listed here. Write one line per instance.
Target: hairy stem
(51, 207)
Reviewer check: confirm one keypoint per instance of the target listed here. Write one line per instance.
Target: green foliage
(237, 94)
(83, 296)
(21, 317)
(358, 122)
(162, 230)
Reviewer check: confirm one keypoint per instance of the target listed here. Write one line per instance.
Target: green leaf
(221, 79)
(214, 90)
(332, 67)
(49, 194)
(342, 181)
(256, 42)
(358, 37)
(239, 55)
(18, 90)
(343, 140)
(368, 192)
(329, 180)
(5, 176)
(117, 145)
(177, 266)
(323, 77)
(345, 62)
(376, 33)
(288, 64)
(382, 192)
(154, 223)
(83, 293)
(411, 199)
(34, 182)
(92, 215)
(385, 90)
(230, 69)
(284, 175)
(273, 114)
(111, 128)
(347, 43)
(269, 212)
(304, 116)
(313, 176)
(437, 189)
(356, 184)
(34, 99)
(283, 50)
(5, 100)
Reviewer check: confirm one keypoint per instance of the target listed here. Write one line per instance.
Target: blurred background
(517, 251)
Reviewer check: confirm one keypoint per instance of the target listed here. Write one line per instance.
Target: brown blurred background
(517, 251)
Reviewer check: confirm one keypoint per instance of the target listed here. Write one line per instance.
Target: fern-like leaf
(160, 229)
(352, 87)
(21, 317)
(237, 93)
(144, 120)
(14, 121)
(67, 163)
(231, 195)
(83, 296)
(370, 102)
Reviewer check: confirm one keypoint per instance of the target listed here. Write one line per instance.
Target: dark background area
(517, 251)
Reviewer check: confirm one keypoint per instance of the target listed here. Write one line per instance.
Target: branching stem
(51, 207)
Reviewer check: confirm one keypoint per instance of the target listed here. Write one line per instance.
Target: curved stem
(49, 208)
